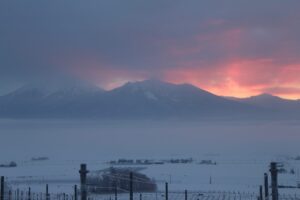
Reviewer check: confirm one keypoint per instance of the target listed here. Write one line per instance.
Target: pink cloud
(241, 78)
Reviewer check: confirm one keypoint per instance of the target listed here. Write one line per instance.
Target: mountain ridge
(141, 99)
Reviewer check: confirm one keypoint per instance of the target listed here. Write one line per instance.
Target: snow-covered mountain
(143, 99)
(157, 98)
(44, 98)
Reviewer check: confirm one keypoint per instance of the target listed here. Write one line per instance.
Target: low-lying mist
(100, 140)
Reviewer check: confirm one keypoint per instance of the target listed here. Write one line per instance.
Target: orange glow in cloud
(236, 77)
(226, 73)
(233, 75)
(242, 78)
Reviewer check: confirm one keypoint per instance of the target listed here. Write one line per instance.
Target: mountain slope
(270, 101)
(280, 106)
(43, 99)
(143, 99)
(154, 97)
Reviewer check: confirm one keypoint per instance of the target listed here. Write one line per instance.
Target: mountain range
(139, 100)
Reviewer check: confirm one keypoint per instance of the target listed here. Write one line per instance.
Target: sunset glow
(230, 49)
(242, 78)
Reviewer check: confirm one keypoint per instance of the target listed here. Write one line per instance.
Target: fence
(8, 192)
(159, 195)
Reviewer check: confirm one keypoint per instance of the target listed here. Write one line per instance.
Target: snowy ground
(242, 150)
(227, 175)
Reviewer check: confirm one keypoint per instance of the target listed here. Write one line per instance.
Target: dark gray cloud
(150, 37)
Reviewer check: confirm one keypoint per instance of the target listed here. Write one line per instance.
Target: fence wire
(159, 195)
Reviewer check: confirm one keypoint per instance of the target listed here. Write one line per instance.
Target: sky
(231, 47)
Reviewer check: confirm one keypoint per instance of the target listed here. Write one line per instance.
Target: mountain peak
(154, 89)
(49, 87)
(149, 82)
(160, 83)
(265, 96)
(158, 86)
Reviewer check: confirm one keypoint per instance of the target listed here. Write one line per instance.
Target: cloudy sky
(230, 47)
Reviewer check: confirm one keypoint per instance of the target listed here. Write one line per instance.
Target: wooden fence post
(47, 192)
(260, 192)
(166, 191)
(83, 171)
(274, 173)
(2, 188)
(266, 183)
(131, 186)
(29, 193)
(75, 192)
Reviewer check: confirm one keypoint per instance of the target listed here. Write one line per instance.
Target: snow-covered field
(242, 150)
